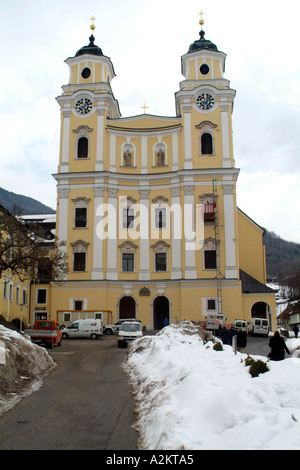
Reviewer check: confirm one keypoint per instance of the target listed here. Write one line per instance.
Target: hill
(282, 257)
(28, 205)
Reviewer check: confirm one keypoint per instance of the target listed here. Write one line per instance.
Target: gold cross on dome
(144, 107)
(92, 25)
(201, 21)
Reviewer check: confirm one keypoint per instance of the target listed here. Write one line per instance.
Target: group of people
(276, 343)
(241, 337)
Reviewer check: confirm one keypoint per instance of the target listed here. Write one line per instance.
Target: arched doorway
(262, 310)
(127, 307)
(161, 311)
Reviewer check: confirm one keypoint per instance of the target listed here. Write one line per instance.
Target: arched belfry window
(206, 138)
(206, 144)
(82, 142)
(82, 147)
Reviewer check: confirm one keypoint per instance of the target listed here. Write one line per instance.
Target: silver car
(111, 329)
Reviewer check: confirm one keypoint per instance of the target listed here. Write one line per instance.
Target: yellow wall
(251, 248)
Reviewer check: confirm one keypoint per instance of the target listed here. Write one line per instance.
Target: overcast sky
(145, 40)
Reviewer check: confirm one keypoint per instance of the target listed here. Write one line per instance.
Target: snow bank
(189, 396)
(22, 367)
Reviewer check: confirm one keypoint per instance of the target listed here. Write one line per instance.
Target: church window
(127, 262)
(210, 259)
(128, 250)
(79, 255)
(204, 69)
(160, 251)
(80, 212)
(86, 73)
(128, 217)
(206, 144)
(160, 261)
(79, 261)
(160, 218)
(210, 254)
(80, 216)
(82, 147)
(206, 138)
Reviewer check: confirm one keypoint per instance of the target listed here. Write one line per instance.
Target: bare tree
(25, 251)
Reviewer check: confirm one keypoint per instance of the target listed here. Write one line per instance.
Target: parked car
(129, 331)
(111, 329)
(87, 328)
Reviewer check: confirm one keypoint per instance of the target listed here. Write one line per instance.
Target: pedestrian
(225, 335)
(296, 331)
(166, 321)
(241, 340)
(278, 347)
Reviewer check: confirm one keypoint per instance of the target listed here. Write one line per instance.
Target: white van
(239, 325)
(87, 328)
(259, 326)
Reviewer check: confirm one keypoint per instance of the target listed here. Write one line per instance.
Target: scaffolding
(217, 245)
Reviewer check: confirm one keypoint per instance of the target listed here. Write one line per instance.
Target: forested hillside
(27, 204)
(282, 257)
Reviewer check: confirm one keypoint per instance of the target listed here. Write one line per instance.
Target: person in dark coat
(225, 335)
(278, 347)
(241, 340)
(296, 331)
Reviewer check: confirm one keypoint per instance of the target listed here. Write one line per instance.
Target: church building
(147, 204)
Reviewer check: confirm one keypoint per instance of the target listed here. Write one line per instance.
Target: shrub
(249, 361)
(258, 367)
(218, 346)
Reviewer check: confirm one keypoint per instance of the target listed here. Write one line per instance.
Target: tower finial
(92, 25)
(201, 21)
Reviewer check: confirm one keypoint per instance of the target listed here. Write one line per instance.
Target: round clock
(83, 106)
(205, 101)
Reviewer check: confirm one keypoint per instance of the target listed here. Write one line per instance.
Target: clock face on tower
(205, 101)
(83, 106)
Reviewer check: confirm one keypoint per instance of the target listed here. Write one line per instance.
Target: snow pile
(22, 366)
(190, 396)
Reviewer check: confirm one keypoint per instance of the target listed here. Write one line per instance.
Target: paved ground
(85, 403)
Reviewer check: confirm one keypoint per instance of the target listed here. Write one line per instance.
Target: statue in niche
(160, 157)
(127, 157)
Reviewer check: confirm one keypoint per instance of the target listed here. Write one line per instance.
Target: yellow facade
(173, 181)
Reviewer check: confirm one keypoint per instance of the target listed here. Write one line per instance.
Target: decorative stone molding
(63, 193)
(188, 190)
(228, 188)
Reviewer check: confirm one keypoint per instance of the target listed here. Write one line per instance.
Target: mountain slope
(281, 256)
(27, 204)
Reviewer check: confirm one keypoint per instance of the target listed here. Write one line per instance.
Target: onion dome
(202, 43)
(90, 49)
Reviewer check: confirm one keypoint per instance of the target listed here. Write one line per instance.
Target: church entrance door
(160, 312)
(127, 307)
